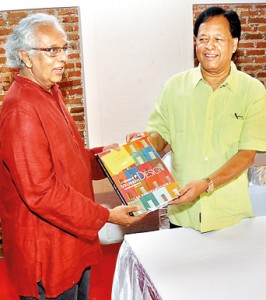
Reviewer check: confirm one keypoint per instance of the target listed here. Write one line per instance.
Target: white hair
(23, 37)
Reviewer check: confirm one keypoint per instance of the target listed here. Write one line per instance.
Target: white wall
(138, 45)
(130, 48)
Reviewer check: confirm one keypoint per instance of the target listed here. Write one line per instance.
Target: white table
(173, 264)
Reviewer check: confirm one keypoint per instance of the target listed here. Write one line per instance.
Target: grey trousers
(79, 291)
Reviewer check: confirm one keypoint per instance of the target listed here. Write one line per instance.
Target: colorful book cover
(139, 175)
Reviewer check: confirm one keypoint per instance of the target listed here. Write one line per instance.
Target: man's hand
(190, 192)
(120, 215)
(134, 135)
(114, 146)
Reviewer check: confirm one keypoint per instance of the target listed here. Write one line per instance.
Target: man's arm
(230, 170)
(234, 167)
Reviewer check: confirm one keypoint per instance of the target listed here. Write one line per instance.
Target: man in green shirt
(213, 117)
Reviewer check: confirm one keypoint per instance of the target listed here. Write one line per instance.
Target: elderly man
(213, 117)
(49, 218)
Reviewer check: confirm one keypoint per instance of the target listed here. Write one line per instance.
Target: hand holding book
(124, 215)
(139, 175)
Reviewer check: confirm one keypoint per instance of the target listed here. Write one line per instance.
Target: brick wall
(251, 53)
(71, 85)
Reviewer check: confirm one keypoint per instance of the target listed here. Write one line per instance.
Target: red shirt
(50, 221)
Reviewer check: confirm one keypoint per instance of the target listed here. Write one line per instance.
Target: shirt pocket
(230, 134)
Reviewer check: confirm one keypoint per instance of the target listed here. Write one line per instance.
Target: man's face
(45, 69)
(215, 45)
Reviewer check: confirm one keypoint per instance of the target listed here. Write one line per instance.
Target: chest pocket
(230, 133)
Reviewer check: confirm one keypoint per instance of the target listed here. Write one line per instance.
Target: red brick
(256, 20)
(75, 110)
(248, 13)
(73, 91)
(64, 84)
(74, 73)
(262, 74)
(253, 36)
(70, 19)
(244, 60)
(78, 117)
(73, 36)
(49, 11)
(67, 12)
(2, 60)
(246, 44)
(262, 27)
(240, 52)
(252, 67)
(69, 65)
(74, 56)
(248, 28)
(260, 60)
(261, 44)
(255, 52)
(16, 14)
(5, 31)
(71, 28)
(76, 82)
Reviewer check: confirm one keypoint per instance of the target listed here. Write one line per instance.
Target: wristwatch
(210, 187)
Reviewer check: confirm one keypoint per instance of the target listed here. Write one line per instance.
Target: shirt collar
(26, 80)
(229, 81)
(197, 76)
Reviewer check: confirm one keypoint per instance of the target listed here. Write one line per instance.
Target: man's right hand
(134, 135)
(120, 215)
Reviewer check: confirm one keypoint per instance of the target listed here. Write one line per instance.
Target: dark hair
(230, 15)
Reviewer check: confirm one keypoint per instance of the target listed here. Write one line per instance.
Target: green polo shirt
(205, 128)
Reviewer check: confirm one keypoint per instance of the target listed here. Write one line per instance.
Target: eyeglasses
(54, 51)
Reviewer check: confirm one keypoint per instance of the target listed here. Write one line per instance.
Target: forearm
(233, 168)
(230, 170)
(157, 141)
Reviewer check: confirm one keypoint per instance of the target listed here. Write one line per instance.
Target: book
(139, 175)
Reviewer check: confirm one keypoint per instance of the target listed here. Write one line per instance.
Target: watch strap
(210, 187)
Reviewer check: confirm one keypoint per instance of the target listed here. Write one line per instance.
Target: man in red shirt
(50, 221)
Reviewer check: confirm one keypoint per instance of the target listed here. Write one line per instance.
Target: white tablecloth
(172, 264)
